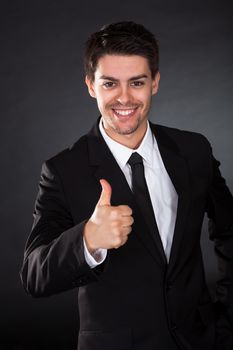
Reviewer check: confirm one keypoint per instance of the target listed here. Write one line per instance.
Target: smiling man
(119, 215)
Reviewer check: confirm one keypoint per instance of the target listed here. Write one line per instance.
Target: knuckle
(125, 240)
(116, 232)
(129, 229)
(130, 210)
(125, 209)
(114, 213)
(114, 225)
(117, 242)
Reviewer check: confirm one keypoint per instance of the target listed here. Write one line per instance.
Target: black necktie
(140, 190)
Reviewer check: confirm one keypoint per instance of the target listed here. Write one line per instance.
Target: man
(119, 215)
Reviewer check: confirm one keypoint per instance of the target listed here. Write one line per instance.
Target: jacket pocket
(104, 340)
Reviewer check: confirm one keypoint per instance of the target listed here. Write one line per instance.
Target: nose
(124, 96)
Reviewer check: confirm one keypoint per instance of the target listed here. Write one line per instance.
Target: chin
(126, 130)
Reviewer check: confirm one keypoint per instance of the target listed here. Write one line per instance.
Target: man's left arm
(220, 212)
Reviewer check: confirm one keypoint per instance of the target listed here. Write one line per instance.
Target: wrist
(87, 237)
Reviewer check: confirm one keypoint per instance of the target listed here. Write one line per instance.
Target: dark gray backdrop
(45, 107)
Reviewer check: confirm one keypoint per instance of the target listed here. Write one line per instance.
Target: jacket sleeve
(220, 213)
(54, 254)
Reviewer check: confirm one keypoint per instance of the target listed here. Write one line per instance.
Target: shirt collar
(122, 153)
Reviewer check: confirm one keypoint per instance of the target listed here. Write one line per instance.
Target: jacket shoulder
(185, 140)
(180, 133)
(69, 155)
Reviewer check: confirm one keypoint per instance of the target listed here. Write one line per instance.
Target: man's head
(122, 38)
(121, 64)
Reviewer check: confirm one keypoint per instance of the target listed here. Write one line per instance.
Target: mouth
(124, 113)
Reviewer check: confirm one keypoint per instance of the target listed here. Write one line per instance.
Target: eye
(137, 83)
(109, 84)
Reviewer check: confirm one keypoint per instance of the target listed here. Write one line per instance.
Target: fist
(109, 226)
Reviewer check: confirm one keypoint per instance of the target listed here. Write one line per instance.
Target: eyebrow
(106, 77)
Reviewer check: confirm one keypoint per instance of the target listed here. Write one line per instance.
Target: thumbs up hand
(109, 226)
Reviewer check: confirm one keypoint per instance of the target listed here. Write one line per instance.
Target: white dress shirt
(162, 192)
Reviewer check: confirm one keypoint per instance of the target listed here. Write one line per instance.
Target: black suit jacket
(135, 300)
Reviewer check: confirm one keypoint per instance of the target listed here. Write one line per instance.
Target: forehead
(121, 66)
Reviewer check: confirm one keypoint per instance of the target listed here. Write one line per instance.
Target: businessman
(119, 215)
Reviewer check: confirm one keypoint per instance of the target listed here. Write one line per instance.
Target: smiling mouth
(129, 112)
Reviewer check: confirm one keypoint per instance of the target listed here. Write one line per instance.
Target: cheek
(100, 101)
(145, 99)
(143, 94)
(104, 98)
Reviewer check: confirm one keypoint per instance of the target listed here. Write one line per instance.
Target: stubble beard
(128, 131)
(122, 130)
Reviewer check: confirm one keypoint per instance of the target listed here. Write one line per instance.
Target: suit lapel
(106, 167)
(177, 168)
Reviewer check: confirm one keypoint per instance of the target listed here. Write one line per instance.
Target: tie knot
(135, 158)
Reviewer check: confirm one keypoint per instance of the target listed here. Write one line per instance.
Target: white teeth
(124, 112)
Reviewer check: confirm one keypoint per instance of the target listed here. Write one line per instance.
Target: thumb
(105, 197)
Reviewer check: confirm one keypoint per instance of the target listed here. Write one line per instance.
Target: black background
(45, 107)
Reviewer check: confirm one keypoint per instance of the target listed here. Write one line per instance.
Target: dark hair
(121, 38)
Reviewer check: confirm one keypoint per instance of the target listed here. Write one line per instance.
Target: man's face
(123, 87)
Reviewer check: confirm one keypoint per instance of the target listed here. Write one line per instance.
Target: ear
(90, 86)
(155, 84)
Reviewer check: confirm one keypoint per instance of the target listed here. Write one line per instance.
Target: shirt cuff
(96, 258)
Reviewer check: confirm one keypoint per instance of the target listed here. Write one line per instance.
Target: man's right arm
(58, 254)
(54, 258)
